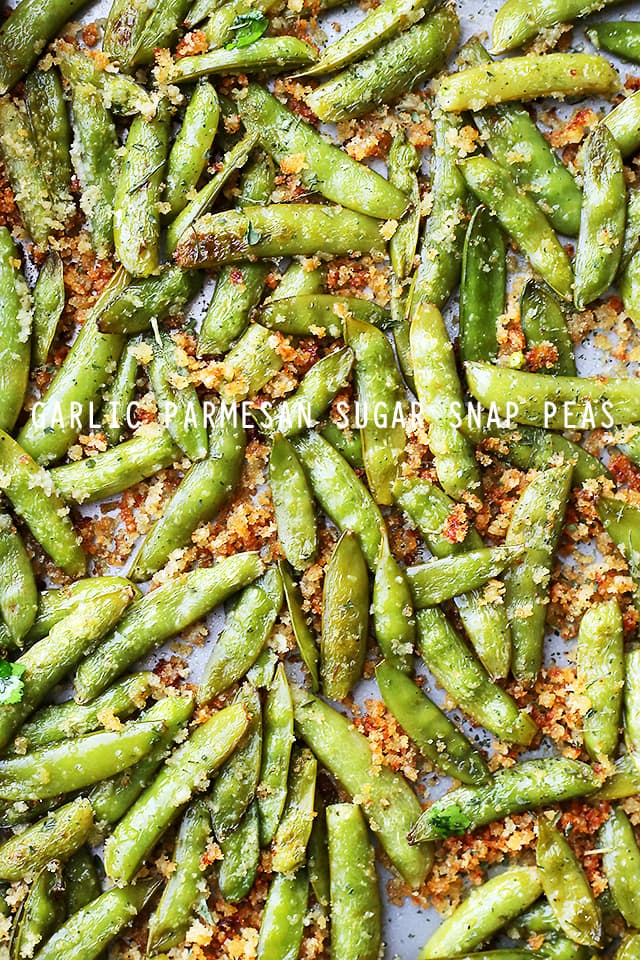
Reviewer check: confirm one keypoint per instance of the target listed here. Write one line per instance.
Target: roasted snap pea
(179, 407)
(265, 55)
(621, 861)
(435, 736)
(141, 300)
(82, 880)
(277, 741)
(59, 835)
(56, 604)
(632, 698)
(622, 522)
(528, 784)
(122, 93)
(318, 854)
(403, 163)
(49, 121)
(293, 504)
(236, 783)
(515, 22)
(22, 169)
(543, 322)
(122, 29)
(482, 287)
(601, 676)
(188, 155)
(345, 440)
(624, 780)
(39, 915)
(282, 925)
(15, 343)
(435, 581)
(142, 826)
(319, 314)
(602, 220)
(241, 857)
(48, 304)
(161, 614)
(392, 609)
(253, 361)
(302, 632)
(294, 829)
(120, 393)
(387, 800)
(356, 908)
(620, 38)
(345, 618)
(161, 29)
(244, 636)
(18, 590)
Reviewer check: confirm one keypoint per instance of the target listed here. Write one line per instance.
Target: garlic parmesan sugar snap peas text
(381, 419)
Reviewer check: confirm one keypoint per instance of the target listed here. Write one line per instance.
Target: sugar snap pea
(602, 220)
(141, 827)
(236, 783)
(403, 163)
(436, 737)
(327, 170)
(515, 23)
(392, 609)
(521, 219)
(221, 26)
(117, 469)
(179, 406)
(393, 69)
(39, 915)
(141, 300)
(601, 675)
(120, 393)
(18, 590)
(319, 314)
(356, 909)
(630, 288)
(621, 522)
(528, 784)
(188, 155)
(302, 632)
(387, 800)
(466, 680)
(621, 38)
(282, 923)
(277, 229)
(629, 948)
(318, 854)
(123, 27)
(172, 917)
(341, 494)
(15, 343)
(345, 618)
(632, 698)
(526, 78)
(241, 857)
(55, 604)
(203, 491)
(621, 861)
(484, 912)
(435, 581)
(19, 156)
(49, 122)
(161, 614)
(253, 360)
(543, 321)
(624, 780)
(82, 882)
(482, 287)
(61, 833)
(121, 93)
(267, 54)
(277, 742)
(48, 304)
(161, 29)
(346, 440)
(294, 829)
(293, 504)
(245, 633)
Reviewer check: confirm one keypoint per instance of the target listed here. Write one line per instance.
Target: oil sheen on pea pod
(293, 504)
(601, 677)
(345, 618)
(544, 322)
(621, 861)
(59, 834)
(516, 22)
(16, 323)
(282, 926)
(392, 608)
(277, 742)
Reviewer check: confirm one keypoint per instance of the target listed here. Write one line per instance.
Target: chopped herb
(11, 686)
(451, 821)
(253, 236)
(247, 27)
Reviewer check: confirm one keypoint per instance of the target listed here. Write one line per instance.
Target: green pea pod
(179, 407)
(632, 698)
(203, 491)
(56, 604)
(392, 608)
(26, 33)
(624, 781)
(403, 162)
(621, 38)
(484, 912)
(543, 321)
(435, 581)
(528, 784)
(629, 948)
(327, 170)
(527, 78)
(302, 278)
(154, 811)
(396, 68)
(241, 857)
(15, 342)
(58, 836)
(82, 882)
(442, 243)
(631, 240)
(89, 931)
(602, 220)
(120, 393)
(18, 590)
(39, 915)
(440, 398)
(172, 917)
(96, 162)
(387, 800)
(555, 403)
(400, 334)
(235, 786)
(294, 829)
(49, 121)
(467, 682)
(319, 314)
(48, 304)
(161, 614)
(20, 160)
(318, 854)
(520, 218)
(264, 55)
(282, 926)
(536, 524)
(622, 522)
(346, 441)
(136, 215)
(345, 618)
(516, 23)
(47, 662)
(252, 362)
(293, 504)
(482, 287)
(630, 288)
(117, 469)
(277, 741)
(485, 623)
(112, 798)
(302, 632)
(601, 675)
(566, 887)
(123, 94)
(621, 861)
(436, 737)
(161, 29)
(149, 298)
(356, 908)
(305, 407)
(245, 633)
(124, 25)
(76, 390)
(278, 229)
(381, 395)
(65, 721)
(340, 493)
